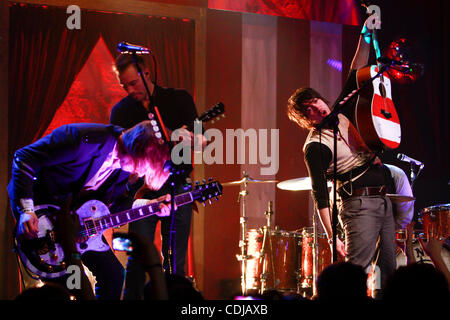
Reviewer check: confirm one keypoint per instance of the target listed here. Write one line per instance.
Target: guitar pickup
(386, 114)
(89, 226)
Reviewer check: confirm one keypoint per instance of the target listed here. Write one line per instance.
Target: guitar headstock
(207, 191)
(215, 113)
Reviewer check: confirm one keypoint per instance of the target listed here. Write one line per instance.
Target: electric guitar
(376, 118)
(44, 257)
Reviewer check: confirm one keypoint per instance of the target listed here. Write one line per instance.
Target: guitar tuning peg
(204, 180)
(216, 198)
(203, 204)
(197, 182)
(223, 115)
(210, 201)
(210, 179)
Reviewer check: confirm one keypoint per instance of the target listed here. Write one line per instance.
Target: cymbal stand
(243, 242)
(262, 254)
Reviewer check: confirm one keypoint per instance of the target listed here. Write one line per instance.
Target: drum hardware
(246, 180)
(243, 243)
(269, 214)
(266, 229)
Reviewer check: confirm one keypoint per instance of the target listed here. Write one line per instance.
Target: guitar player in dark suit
(85, 159)
(362, 182)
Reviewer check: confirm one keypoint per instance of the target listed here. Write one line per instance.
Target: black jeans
(108, 271)
(135, 274)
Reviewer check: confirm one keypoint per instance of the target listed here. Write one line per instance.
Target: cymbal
(246, 180)
(298, 184)
(397, 198)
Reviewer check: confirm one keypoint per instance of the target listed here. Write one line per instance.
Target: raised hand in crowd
(433, 248)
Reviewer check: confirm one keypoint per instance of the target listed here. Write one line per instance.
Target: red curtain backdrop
(337, 11)
(45, 57)
(93, 93)
(171, 41)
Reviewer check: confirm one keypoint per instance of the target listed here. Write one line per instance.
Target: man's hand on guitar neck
(28, 225)
(164, 204)
(187, 138)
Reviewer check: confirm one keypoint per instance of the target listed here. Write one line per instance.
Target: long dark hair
(296, 108)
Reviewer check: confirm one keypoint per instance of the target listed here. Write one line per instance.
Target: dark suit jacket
(60, 164)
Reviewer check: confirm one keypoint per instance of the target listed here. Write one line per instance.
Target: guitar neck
(122, 218)
(376, 45)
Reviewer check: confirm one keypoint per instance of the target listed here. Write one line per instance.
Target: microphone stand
(173, 172)
(332, 120)
(412, 175)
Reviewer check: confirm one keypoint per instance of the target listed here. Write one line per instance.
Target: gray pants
(369, 229)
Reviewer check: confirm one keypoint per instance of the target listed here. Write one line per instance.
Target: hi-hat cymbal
(396, 198)
(246, 180)
(298, 184)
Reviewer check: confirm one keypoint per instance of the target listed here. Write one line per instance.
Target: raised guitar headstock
(214, 114)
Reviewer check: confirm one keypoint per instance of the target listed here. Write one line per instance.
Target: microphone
(404, 157)
(126, 47)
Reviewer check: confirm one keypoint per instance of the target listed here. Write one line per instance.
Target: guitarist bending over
(87, 159)
(365, 213)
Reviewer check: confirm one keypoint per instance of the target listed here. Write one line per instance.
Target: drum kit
(290, 261)
(274, 259)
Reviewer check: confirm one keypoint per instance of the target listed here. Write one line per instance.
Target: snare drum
(437, 217)
(324, 256)
(275, 262)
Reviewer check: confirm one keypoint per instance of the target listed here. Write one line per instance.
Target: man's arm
(317, 159)
(52, 149)
(361, 57)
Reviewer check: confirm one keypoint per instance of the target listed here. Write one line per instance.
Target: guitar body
(376, 118)
(44, 256)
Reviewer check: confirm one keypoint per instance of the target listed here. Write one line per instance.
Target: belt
(366, 191)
